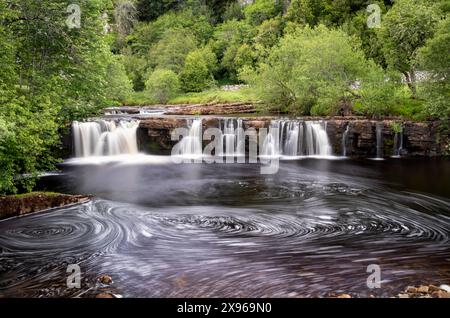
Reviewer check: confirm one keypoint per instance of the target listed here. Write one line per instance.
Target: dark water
(164, 230)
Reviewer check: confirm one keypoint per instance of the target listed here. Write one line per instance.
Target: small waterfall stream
(379, 135)
(105, 138)
(233, 137)
(292, 138)
(398, 144)
(191, 145)
(345, 140)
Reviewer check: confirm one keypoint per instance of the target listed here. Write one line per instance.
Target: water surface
(165, 230)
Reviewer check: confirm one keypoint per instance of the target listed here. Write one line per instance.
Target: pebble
(445, 288)
(104, 295)
(422, 289)
(105, 279)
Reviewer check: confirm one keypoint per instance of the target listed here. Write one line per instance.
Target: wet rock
(419, 138)
(445, 288)
(257, 124)
(423, 289)
(411, 290)
(344, 296)
(11, 206)
(104, 295)
(105, 279)
(432, 288)
(213, 109)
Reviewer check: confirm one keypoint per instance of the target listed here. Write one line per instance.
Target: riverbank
(23, 204)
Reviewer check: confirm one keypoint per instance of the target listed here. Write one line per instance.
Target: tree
(306, 12)
(119, 86)
(405, 29)
(434, 57)
(261, 10)
(171, 51)
(162, 85)
(51, 74)
(197, 74)
(314, 71)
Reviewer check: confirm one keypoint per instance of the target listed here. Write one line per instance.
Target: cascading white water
(291, 141)
(345, 140)
(295, 138)
(271, 145)
(233, 137)
(398, 144)
(105, 138)
(379, 133)
(191, 145)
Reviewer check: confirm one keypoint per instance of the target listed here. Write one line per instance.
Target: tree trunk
(411, 82)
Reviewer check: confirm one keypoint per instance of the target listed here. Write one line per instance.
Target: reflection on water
(164, 230)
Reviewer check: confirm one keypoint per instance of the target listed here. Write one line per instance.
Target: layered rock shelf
(419, 138)
(11, 206)
(187, 109)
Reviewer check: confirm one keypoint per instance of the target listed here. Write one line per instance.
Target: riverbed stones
(104, 295)
(424, 291)
(105, 279)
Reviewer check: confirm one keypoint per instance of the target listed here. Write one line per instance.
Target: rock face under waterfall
(153, 135)
(419, 138)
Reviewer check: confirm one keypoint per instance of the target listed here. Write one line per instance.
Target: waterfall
(191, 145)
(398, 144)
(292, 138)
(233, 137)
(345, 140)
(105, 138)
(271, 145)
(379, 133)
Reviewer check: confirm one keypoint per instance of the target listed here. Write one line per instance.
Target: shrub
(197, 74)
(162, 85)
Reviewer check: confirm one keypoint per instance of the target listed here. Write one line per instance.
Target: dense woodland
(299, 57)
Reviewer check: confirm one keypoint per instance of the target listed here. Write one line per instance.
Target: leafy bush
(162, 85)
(197, 74)
(119, 86)
(434, 57)
(315, 71)
(171, 51)
(261, 10)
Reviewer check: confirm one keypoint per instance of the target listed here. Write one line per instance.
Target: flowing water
(379, 135)
(105, 138)
(166, 230)
(291, 138)
(345, 140)
(398, 144)
(224, 230)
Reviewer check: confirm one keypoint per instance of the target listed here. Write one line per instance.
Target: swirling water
(164, 230)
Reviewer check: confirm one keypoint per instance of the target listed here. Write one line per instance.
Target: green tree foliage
(434, 57)
(162, 85)
(119, 87)
(197, 74)
(261, 10)
(307, 12)
(233, 11)
(51, 74)
(171, 51)
(314, 71)
(405, 29)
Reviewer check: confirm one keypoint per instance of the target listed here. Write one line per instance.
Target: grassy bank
(211, 96)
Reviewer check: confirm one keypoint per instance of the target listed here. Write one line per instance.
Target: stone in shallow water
(106, 279)
(445, 288)
(104, 295)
